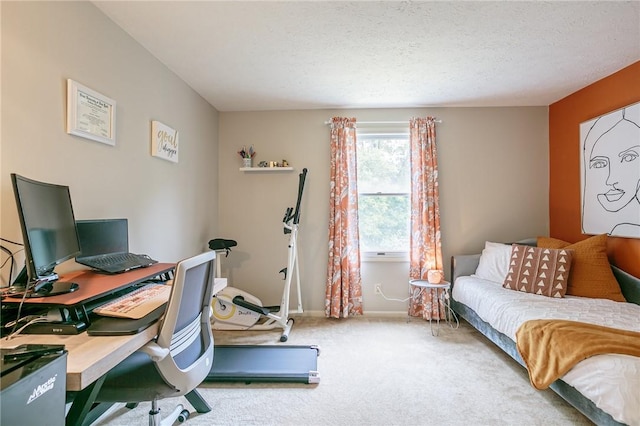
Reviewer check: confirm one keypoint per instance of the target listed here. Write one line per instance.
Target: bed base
(462, 265)
(567, 392)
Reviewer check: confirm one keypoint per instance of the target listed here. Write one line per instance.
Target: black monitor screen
(48, 225)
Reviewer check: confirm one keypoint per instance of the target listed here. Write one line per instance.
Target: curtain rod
(382, 122)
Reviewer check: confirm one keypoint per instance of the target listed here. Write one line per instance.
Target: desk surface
(94, 285)
(90, 357)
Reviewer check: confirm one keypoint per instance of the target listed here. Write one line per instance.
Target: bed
(605, 388)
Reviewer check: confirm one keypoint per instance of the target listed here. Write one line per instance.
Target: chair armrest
(463, 264)
(156, 352)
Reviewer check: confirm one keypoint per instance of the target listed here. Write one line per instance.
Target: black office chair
(180, 358)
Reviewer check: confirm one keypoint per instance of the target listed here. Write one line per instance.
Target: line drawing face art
(610, 173)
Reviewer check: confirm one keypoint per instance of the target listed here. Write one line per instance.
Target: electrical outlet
(378, 289)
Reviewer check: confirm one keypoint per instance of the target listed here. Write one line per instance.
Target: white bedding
(611, 381)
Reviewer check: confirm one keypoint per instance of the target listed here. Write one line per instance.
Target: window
(384, 186)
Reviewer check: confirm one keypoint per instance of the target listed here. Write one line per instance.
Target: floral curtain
(426, 250)
(344, 283)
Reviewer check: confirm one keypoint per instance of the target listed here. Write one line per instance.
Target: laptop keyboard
(117, 259)
(118, 262)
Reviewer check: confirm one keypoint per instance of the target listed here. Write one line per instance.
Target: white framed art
(610, 173)
(90, 114)
(165, 142)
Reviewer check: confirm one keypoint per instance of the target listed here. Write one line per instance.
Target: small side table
(443, 297)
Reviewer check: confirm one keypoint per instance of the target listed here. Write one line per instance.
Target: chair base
(155, 419)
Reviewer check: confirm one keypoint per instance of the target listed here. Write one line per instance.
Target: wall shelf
(266, 169)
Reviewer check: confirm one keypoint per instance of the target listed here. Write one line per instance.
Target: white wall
(493, 168)
(172, 208)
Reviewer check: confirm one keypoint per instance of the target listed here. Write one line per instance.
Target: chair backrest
(186, 329)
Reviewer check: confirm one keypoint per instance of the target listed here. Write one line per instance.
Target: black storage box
(32, 390)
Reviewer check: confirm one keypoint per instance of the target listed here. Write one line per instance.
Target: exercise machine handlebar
(290, 214)
(302, 177)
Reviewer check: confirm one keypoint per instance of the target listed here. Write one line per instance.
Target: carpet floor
(379, 371)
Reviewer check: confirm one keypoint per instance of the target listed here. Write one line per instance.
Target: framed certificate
(90, 114)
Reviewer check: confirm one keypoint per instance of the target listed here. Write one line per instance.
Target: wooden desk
(91, 357)
(94, 285)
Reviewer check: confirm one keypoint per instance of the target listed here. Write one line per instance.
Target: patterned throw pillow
(591, 274)
(537, 270)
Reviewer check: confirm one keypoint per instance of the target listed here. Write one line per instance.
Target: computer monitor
(48, 231)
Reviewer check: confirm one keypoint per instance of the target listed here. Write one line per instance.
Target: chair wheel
(184, 415)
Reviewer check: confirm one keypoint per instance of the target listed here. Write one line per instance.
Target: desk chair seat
(181, 356)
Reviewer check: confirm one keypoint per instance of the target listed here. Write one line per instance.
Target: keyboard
(117, 262)
(116, 258)
(136, 304)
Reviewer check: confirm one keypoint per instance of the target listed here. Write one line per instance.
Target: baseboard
(307, 314)
(389, 314)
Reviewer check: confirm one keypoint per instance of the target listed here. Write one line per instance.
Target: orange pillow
(591, 274)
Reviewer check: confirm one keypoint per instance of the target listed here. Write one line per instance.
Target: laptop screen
(102, 236)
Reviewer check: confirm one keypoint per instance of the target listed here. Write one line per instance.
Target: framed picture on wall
(90, 114)
(610, 173)
(165, 142)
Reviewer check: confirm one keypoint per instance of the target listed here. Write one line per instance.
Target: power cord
(11, 242)
(32, 319)
(15, 323)
(396, 300)
(391, 298)
(17, 320)
(11, 256)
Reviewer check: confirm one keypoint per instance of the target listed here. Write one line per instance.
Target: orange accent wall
(613, 92)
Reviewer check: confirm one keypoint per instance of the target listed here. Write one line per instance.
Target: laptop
(104, 246)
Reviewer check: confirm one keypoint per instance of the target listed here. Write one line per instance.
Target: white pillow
(494, 262)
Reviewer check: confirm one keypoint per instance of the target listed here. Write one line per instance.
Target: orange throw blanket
(550, 348)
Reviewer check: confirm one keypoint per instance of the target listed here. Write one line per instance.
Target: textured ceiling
(272, 55)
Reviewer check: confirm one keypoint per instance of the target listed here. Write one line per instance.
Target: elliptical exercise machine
(234, 309)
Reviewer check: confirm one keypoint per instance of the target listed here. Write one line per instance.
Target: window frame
(384, 256)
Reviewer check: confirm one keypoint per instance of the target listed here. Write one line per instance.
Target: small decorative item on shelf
(283, 163)
(246, 155)
(434, 276)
